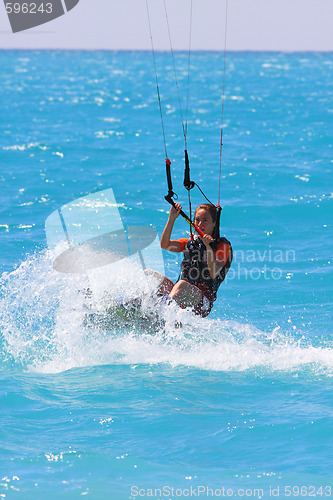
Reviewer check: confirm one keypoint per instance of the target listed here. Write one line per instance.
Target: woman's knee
(165, 285)
(188, 294)
(181, 284)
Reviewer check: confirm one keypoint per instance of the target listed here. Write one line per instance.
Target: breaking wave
(44, 328)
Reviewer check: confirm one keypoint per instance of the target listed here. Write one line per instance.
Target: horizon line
(73, 49)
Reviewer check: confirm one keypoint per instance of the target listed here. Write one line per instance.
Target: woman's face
(204, 221)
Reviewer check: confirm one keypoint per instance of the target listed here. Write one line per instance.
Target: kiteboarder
(205, 264)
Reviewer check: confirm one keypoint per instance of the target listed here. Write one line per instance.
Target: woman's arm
(166, 242)
(214, 264)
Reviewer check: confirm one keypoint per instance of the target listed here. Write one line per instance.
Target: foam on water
(43, 330)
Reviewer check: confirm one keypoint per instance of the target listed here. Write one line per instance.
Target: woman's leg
(165, 285)
(182, 292)
(186, 294)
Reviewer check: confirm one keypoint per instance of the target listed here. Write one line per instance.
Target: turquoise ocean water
(238, 404)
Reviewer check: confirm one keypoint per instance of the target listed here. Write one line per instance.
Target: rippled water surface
(241, 400)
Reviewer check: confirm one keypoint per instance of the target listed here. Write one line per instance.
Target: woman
(205, 264)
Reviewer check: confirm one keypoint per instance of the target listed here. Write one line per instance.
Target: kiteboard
(145, 312)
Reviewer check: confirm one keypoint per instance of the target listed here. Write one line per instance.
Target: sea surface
(239, 404)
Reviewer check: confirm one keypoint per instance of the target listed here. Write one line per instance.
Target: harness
(194, 265)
